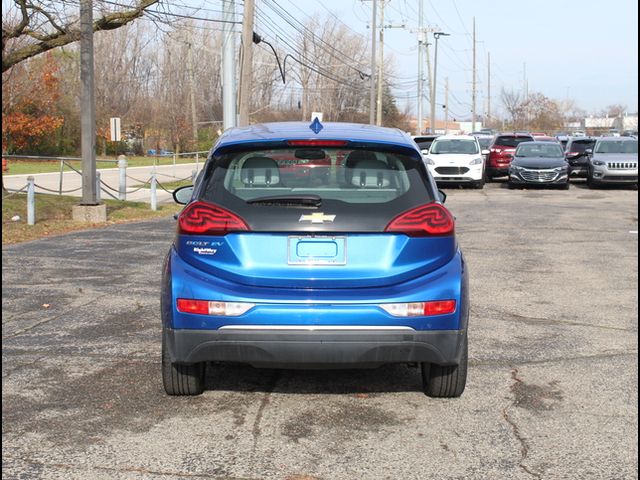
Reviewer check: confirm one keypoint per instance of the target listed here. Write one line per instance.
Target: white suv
(457, 159)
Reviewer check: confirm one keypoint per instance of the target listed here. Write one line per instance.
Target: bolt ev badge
(317, 218)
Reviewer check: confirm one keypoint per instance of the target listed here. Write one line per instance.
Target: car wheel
(510, 185)
(179, 379)
(445, 381)
(591, 183)
(566, 186)
(479, 184)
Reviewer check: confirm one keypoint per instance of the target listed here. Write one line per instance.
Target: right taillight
(201, 218)
(424, 221)
(420, 309)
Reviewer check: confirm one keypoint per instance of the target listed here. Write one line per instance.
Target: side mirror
(183, 195)
(425, 151)
(442, 195)
(508, 156)
(588, 151)
(485, 152)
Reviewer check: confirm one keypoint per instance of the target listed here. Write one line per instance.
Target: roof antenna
(316, 126)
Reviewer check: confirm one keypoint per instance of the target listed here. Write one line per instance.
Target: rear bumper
(311, 349)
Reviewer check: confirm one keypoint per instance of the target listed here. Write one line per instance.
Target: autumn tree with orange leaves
(29, 109)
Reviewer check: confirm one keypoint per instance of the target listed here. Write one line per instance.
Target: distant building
(601, 125)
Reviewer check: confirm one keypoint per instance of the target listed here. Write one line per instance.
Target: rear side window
(511, 140)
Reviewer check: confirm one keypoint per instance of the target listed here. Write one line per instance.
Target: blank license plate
(317, 250)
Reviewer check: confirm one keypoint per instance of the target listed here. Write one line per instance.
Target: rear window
(511, 140)
(579, 146)
(424, 142)
(340, 180)
(485, 142)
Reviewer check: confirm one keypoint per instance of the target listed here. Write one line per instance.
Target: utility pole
(436, 35)
(372, 95)
(473, 81)
(229, 66)
(525, 95)
(192, 88)
(420, 120)
(446, 105)
(88, 105)
(429, 78)
(488, 86)
(246, 69)
(380, 66)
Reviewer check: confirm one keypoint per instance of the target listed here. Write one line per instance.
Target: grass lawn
(53, 216)
(171, 186)
(17, 167)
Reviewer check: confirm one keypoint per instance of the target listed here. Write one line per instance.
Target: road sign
(115, 129)
(317, 115)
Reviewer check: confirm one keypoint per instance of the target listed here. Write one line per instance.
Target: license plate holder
(316, 250)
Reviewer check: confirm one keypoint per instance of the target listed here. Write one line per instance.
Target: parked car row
(531, 158)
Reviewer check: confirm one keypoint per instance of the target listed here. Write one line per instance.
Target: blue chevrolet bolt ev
(314, 246)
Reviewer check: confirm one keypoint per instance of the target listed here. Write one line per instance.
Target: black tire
(591, 183)
(445, 381)
(566, 186)
(181, 379)
(510, 186)
(479, 184)
(487, 177)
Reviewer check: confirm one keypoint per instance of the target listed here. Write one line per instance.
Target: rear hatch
(311, 217)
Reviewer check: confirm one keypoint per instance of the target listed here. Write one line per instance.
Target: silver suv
(613, 160)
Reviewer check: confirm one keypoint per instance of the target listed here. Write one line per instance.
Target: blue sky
(585, 50)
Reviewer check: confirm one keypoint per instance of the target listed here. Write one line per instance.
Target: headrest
(357, 156)
(353, 158)
(260, 172)
(371, 174)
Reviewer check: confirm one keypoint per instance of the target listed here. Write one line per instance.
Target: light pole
(437, 35)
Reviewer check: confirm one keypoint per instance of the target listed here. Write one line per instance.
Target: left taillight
(428, 220)
(201, 218)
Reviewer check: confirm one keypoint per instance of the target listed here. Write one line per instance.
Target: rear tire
(179, 379)
(445, 381)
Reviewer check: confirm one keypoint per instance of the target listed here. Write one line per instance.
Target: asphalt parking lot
(552, 390)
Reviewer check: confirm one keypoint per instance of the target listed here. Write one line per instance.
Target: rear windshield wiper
(312, 201)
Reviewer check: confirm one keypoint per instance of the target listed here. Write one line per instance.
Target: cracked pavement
(552, 389)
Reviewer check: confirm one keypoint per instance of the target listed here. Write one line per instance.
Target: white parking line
(633, 232)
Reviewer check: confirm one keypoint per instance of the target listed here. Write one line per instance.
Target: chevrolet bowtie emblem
(317, 218)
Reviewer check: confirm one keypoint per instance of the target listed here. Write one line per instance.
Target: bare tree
(32, 27)
(513, 105)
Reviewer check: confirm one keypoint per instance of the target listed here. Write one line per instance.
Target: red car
(501, 152)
